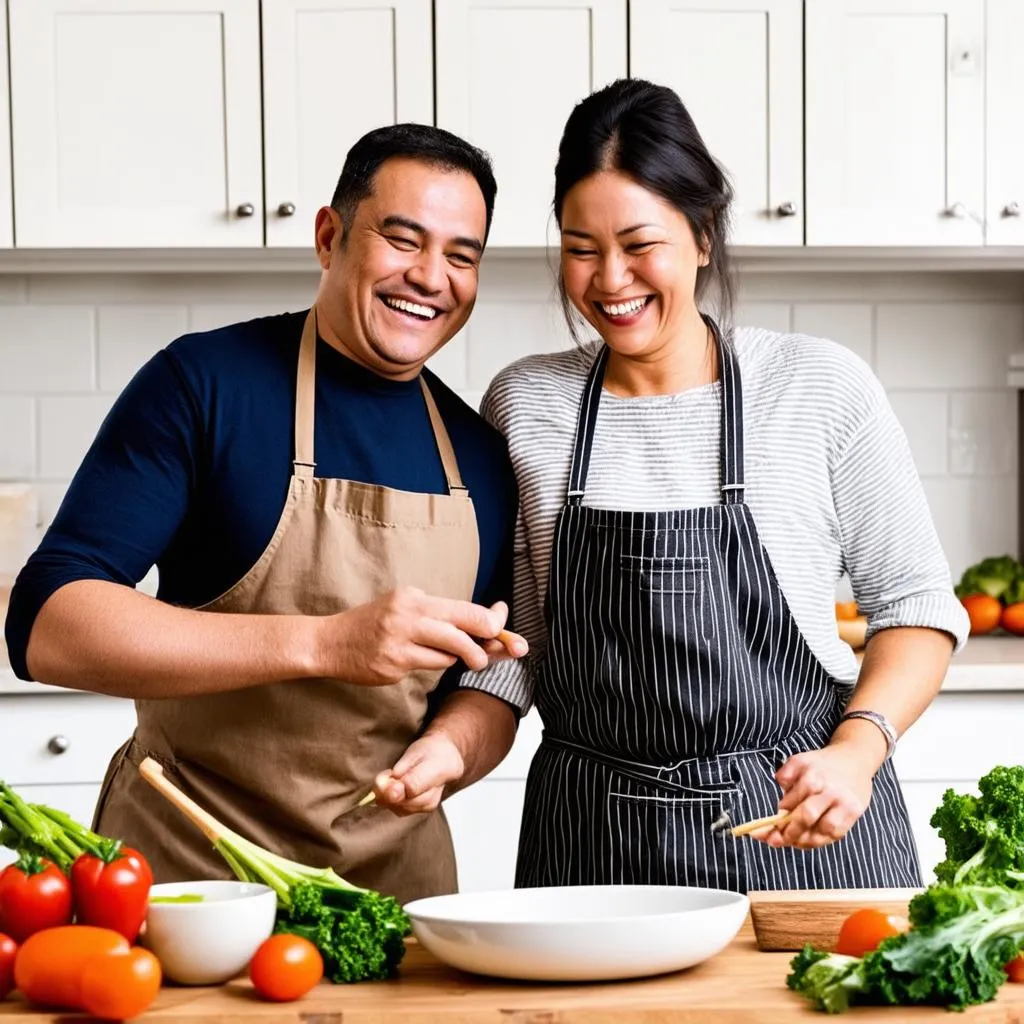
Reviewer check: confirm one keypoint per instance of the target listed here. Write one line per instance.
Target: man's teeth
(411, 307)
(625, 308)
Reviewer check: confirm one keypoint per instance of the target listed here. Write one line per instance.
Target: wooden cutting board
(739, 986)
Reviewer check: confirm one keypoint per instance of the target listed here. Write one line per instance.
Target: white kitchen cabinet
(737, 65)
(6, 223)
(895, 122)
(332, 70)
(136, 123)
(509, 73)
(1004, 114)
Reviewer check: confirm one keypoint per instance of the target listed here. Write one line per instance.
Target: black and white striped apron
(675, 684)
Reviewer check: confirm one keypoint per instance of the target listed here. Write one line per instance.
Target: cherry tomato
(8, 952)
(112, 891)
(864, 929)
(1015, 968)
(121, 984)
(984, 611)
(1013, 618)
(285, 967)
(34, 894)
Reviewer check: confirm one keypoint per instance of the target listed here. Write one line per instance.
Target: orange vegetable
(1013, 618)
(846, 610)
(120, 985)
(49, 967)
(285, 967)
(1015, 968)
(864, 929)
(984, 611)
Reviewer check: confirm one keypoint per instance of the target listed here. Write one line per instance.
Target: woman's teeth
(427, 312)
(624, 308)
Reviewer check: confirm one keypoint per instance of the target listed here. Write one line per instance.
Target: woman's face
(629, 263)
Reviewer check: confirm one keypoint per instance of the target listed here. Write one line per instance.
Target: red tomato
(984, 612)
(1013, 618)
(864, 929)
(112, 893)
(1015, 968)
(121, 984)
(34, 894)
(8, 951)
(286, 967)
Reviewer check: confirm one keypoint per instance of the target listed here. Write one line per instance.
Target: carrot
(49, 966)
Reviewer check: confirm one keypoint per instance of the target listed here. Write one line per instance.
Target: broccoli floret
(992, 576)
(984, 835)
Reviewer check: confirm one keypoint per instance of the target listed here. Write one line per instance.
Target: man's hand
(380, 643)
(417, 781)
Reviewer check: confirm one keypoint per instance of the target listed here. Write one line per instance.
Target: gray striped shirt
(830, 481)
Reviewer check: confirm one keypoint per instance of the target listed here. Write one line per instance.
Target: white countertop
(987, 663)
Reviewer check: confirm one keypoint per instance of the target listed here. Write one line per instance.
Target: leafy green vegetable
(830, 980)
(995, 577)
(360, 933)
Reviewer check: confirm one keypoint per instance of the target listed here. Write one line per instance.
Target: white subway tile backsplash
(130, 335)
(46, 349)
(209, 318)
(17, 437)
(848, 323)
(773, 316)
(924, 416)
(67, 426)
(451, 364)
(50, 497)
(982, 433)
(502, 332)
(947, 345)
(13, 289)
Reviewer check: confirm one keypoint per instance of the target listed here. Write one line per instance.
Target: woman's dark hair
(423, 142)
(644, 131)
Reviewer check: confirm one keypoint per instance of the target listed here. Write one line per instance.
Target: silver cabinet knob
(58, 744)
(286, 210)
(786, 209)
(1012, 209)
(245, 210)
(956, 210)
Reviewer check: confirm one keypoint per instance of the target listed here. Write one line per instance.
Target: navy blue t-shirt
(190, 469)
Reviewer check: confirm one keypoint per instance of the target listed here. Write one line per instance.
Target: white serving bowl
(578, 933)
(209, 942)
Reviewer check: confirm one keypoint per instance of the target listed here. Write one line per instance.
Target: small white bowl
(578, 933)
(211, 941)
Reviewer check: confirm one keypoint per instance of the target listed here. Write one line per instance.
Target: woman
(689, 498)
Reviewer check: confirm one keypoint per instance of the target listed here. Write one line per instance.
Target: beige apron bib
(283, 764)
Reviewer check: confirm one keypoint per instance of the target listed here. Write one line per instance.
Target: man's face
(404, 279)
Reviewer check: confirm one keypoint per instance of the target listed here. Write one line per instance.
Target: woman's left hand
(825, 791)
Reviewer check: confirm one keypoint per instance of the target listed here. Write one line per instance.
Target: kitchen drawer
(66, 739)
(78, 801)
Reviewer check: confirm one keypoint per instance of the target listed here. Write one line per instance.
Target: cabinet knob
(786, 209)
(956, 210)
(286, 210)
(245, 210)
(58, 744)
(1012, 209)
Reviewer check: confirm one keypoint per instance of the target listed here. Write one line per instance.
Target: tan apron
(283, 764)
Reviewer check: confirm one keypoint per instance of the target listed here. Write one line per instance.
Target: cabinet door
(332, 70)
(1004, 139)
(509, 73)
(738, 67)
(895, 122)
(6, 227)
(136, 123)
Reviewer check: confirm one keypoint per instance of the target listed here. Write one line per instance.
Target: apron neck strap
(731, 433)
(305, 398)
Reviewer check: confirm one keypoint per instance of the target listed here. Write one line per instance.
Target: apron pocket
(674, 594)
(658, 839)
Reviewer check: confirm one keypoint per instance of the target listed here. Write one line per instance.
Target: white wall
(939, 342)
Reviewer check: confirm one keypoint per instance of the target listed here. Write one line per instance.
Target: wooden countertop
(739, 986)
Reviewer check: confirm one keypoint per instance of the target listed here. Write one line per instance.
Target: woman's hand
(825, 791)
(417, 781)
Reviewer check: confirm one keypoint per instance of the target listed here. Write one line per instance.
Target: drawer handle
(58, 744)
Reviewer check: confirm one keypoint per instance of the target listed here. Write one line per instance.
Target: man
(311, 595)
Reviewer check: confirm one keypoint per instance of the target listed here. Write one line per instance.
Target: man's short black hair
(423, 142)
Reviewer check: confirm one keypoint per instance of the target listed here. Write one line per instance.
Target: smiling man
(333, 531)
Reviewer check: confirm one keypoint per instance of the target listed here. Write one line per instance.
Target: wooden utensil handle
(153, 773)
(506, 637)
(759, 823)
